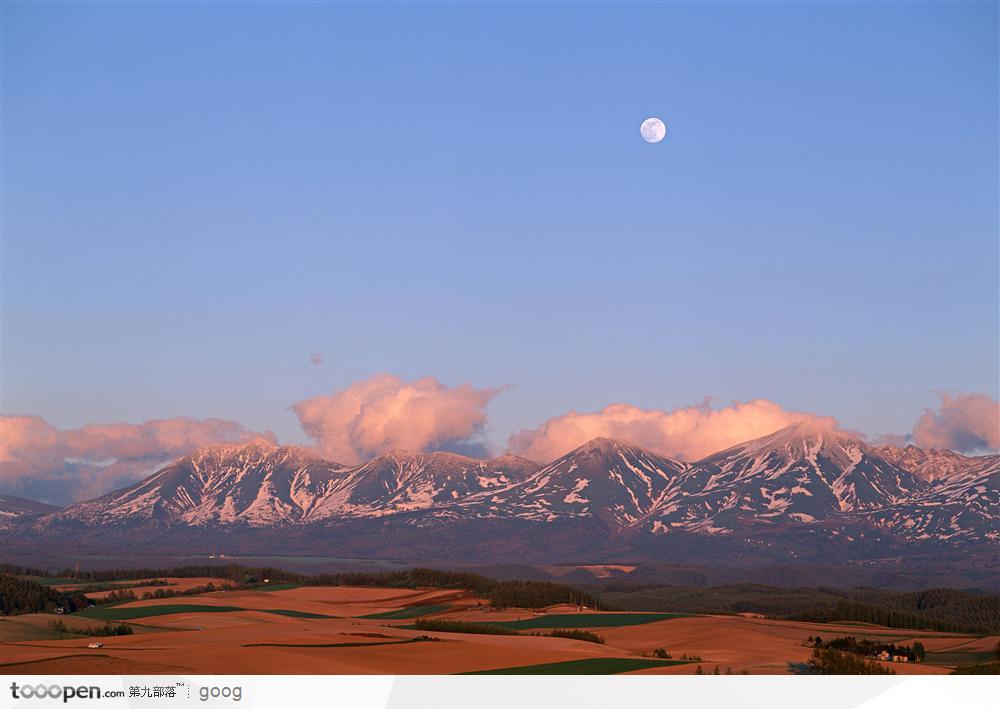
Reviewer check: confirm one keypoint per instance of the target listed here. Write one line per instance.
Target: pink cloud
(965, 423)
(89, 460)
(23, 436)
(386, 412)
(687, 433)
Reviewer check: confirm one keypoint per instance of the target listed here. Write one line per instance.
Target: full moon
(652, 130)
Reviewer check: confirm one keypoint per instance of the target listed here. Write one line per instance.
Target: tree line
(873, 648)
(945, 610)
(973, 615)
(107, 630)
(831, 662)
(501, 594)
(19, 595)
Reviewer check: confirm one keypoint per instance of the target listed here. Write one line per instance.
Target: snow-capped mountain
(257, 482)
(605, 479)
(962, 507)
(262, 485)
(406, 482)
(804, 472)
(931, 463)
(801, 480)
(13, 507)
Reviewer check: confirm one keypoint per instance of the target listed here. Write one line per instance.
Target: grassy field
(12, 632)
(957, 659)
(587, 620)
(276, 587)
(589, 666)
(408, 612)
(119, 613)
(441, 625)
(45, 581)
(293, 614)
(268, 634)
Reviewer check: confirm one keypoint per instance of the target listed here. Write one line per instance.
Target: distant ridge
(12, 507)
(795, 491)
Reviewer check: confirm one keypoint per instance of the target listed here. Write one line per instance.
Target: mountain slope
(931, 464)
(13, 508)
(260, 484)
(962, 507)
(406, 482)
(804, 472)
(612, 481)
(789, 492)
(256, 483)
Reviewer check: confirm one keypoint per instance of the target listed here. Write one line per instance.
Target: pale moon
(652, 130)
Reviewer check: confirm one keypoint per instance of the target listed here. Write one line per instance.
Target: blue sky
(198, 197)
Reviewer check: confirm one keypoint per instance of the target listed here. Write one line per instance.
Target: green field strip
(120, 613)
(587, 620)
(408, 612)
(276, 587)
(957, 659)
(589, 666)
(43, 581)
(435, 625)
(390, 642)
(292, 614)
(13, 632)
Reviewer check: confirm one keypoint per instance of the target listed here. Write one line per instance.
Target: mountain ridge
(806, 480)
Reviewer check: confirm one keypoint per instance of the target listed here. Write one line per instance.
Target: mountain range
(805, 491)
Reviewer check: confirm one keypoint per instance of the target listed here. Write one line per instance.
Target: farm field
(368, 630)
(595, 666)
(147, 611)
(587, 620)
(183, 583)
(409, 612)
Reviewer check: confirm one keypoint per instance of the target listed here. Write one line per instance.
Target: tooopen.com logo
(55, 691)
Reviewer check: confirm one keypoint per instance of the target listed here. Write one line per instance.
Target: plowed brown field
(252, 641)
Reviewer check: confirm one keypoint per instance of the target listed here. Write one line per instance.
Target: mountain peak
(604, 444)
(606, 479)
(930, 463)
(13, 507)
(406, 457)
(809, 427)
(510, 458)
(396, 454)
(805, 434)
(804, 473)
(255, 445)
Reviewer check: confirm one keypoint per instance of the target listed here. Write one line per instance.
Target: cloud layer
(385, 412)
(686, 433)
(62, 465)
(966, 422)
